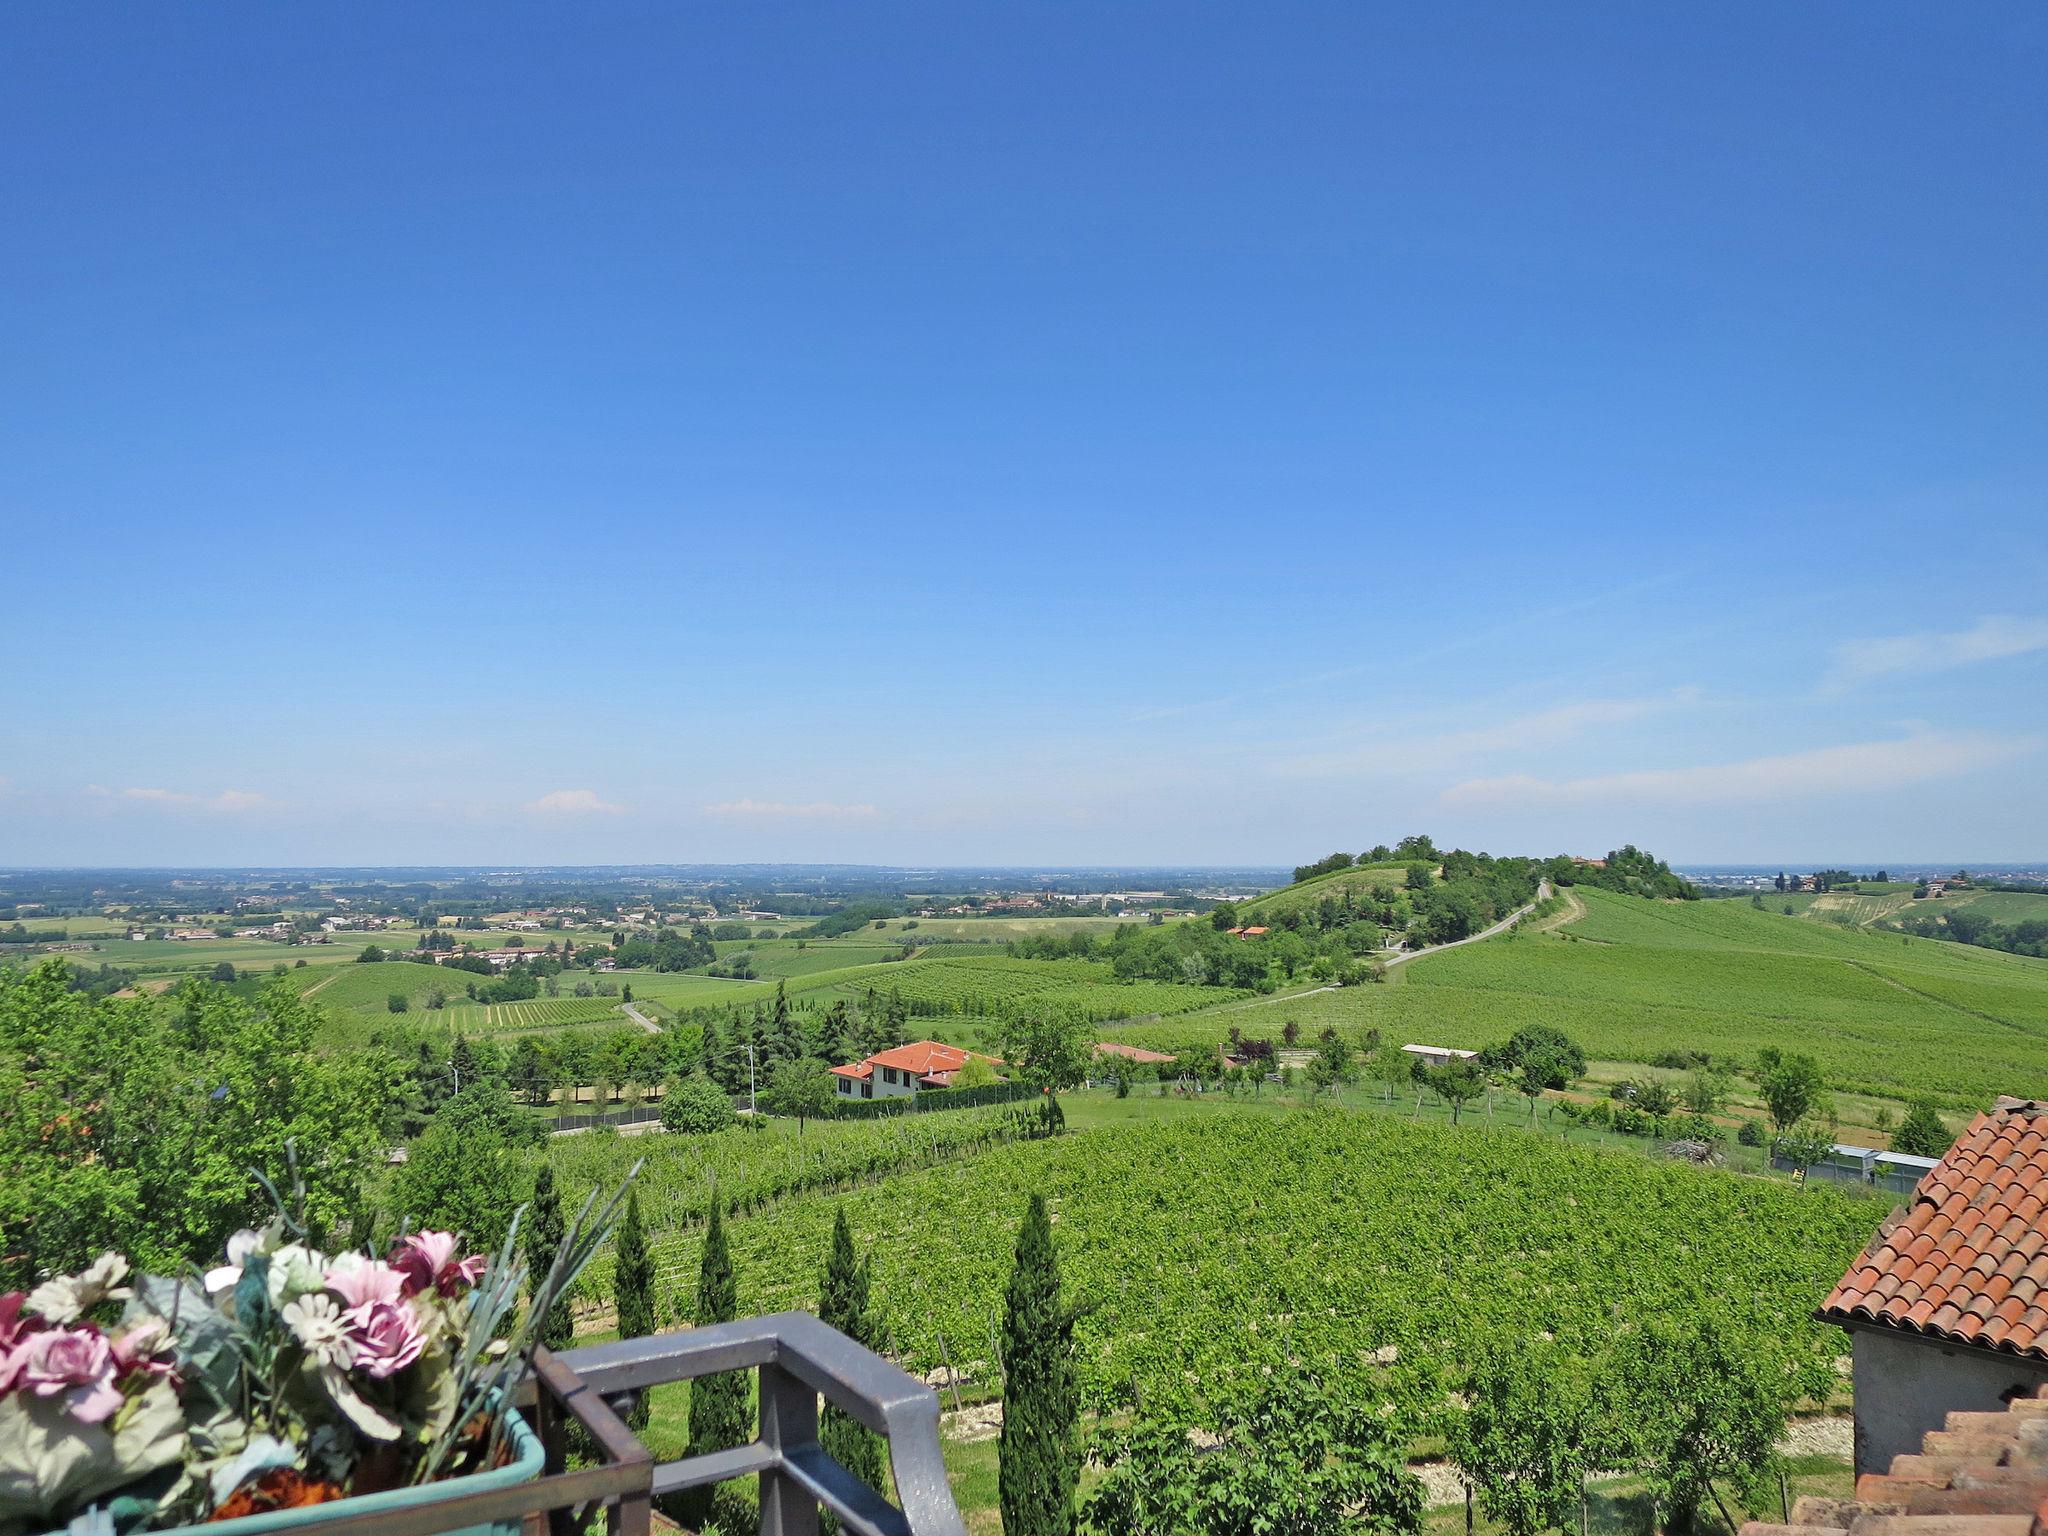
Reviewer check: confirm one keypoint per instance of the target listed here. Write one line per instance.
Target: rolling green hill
(1361, 880)
(1633, 980)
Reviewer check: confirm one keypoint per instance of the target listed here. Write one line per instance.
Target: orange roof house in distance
(1947, 1308)
(904, 1069)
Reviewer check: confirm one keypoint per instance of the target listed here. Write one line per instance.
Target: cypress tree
(844, 1303)
(544, 1231)
(633, 1288)
(718, 1404)
(1039, 1456)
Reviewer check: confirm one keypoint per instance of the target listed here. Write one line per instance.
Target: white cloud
(776, 810)
(1519, 733)
(1859, 768)
(227, 800)
(1989, 639)
(572, 802)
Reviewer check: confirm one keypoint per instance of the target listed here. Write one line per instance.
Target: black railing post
(789, 1422)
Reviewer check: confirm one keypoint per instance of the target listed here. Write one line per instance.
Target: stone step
(1883, 1488)
(1971, 1445)
(1817, 1509)
(1995, 1499)
(1943, 1525)
(1928, 1469)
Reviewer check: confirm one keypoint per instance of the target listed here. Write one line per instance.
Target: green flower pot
(528, 1457)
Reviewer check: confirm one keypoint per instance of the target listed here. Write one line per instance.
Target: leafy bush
(695, 1105)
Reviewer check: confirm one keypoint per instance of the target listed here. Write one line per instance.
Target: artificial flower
(427, 1259)
(143, 1350)
(387, 1337)
(67, 1298)
(316, 1322)
(295, 1269)
(229, 1275)
(361, 1282)
(75, 1362)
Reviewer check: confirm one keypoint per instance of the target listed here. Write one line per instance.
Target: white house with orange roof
(904, 1069)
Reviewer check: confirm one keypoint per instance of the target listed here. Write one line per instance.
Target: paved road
(1542, 895)
(641, 1019)
(1399, 956)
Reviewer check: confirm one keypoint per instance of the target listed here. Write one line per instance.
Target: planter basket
(528, 1459)
(496, 1503)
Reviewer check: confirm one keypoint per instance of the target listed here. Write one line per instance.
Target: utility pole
(752, 1108)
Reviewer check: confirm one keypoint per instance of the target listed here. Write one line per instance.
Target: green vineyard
(1212, 1247)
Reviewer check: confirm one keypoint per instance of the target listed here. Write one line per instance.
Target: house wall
(1906, 1386)
(904, 1085)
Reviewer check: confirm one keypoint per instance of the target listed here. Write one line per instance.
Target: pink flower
(73, 1361)
(360, 1282)
(386, 1335)
(15, 1331)
(428, 1259)
(143, 1350)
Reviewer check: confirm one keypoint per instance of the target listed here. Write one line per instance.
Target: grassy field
(1886, 1014)
(1361, 880)
(987, 985)
(366, 988)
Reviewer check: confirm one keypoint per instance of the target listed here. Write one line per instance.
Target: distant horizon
(1048, 866)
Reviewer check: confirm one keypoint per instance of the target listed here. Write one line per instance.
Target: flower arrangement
(284, 1376)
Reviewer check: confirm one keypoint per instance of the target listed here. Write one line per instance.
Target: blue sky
(964, 434)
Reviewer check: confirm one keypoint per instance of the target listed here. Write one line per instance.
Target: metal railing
(799, 1360)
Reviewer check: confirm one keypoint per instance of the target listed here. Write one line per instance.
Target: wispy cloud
(1989, 639)
(572, 802)
(226, 800)
(778, 810)
(1434, 751)
(1859, 768)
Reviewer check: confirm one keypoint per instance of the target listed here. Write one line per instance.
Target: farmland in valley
(1633, 980)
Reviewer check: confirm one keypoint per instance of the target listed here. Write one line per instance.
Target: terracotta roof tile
(1969, 1259)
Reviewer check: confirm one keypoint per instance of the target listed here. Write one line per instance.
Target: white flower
(69, 1297)
(296, 1269)
(316, 1322)
(240, 1246)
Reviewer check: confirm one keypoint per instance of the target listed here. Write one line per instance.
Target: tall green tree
(1039, 1454)
(1295, 1459)
(1922, 1133)
(187, 1093)
(718, 1403)
(633, 1288)
(845, 1302)
(457, 1176)
(1529, 1438)
(1050, 1050)
(800, 1087)
(1792, 1087)
(544, 1231)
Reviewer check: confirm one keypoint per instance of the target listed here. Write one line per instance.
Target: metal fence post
(789, 1419)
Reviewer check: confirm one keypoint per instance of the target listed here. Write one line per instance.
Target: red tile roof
(1969, 1260)
(920, 1058)
(859, 1069)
